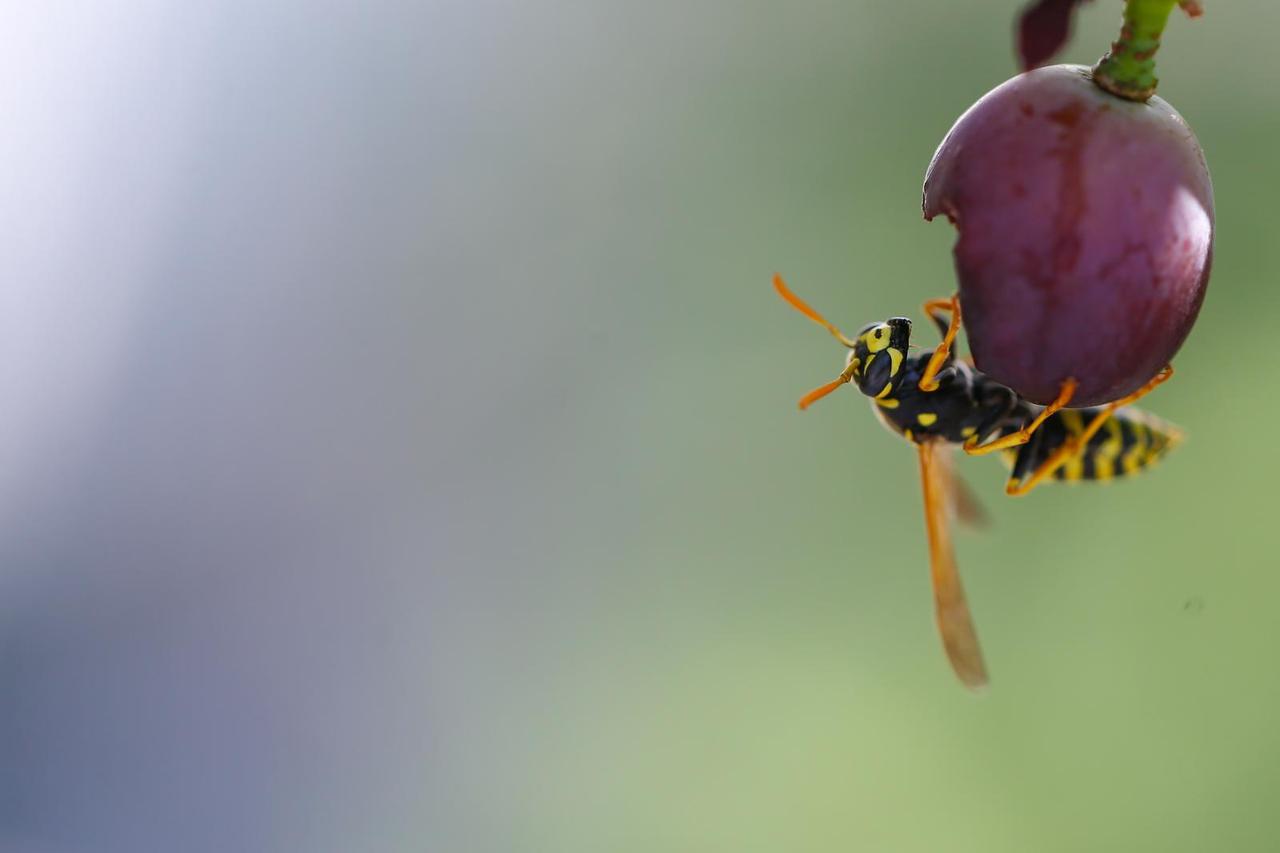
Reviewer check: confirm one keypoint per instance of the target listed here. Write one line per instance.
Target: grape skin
(1085, 233)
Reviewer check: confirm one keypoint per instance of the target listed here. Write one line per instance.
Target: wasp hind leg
(942, 354)
(1022, 436)
(1024, 477)
(1075, 445)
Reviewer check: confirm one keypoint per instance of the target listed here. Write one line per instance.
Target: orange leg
(1023, 435)
(1045, 469)
(929, 381)
(1076, 444)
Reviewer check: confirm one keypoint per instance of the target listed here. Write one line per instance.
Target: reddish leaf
(1043, 29)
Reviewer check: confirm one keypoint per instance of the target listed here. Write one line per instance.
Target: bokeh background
(398, 448)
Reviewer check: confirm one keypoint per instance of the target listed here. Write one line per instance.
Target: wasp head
(877, 354)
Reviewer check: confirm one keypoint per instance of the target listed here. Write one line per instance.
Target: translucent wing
(968, 509)
(956, 626)
(965, 505)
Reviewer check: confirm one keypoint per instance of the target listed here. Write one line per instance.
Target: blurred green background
(744, 654)
(401, 447)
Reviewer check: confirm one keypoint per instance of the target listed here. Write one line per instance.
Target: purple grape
(1086, 233)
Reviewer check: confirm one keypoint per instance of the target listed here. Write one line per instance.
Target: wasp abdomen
(1130, 441)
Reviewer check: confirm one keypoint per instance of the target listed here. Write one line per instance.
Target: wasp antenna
(799, 304)
(818, 393)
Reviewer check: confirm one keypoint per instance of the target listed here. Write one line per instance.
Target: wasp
(936, 402)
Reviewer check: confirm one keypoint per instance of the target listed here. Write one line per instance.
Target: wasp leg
(1020, 482)
(1101, 418)
(1025, 460)
(1023, 435)
(1075, 445)
(942, 355)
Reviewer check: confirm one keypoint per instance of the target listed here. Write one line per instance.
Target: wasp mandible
(936, 401)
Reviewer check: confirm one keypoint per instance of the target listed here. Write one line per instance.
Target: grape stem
(1129, 68)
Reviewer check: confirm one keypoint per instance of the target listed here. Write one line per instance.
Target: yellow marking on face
(888, 403)
(877, 338)
(870, 359)
(968, 431)
(909, 436)
(895, 360)
(884, 392)
(927, 419)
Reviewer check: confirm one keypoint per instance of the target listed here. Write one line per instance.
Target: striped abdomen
(1130, 441)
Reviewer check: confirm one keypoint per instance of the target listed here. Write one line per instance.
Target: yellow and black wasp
(934, 400)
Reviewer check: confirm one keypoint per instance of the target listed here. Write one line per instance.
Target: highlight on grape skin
(1085, 233)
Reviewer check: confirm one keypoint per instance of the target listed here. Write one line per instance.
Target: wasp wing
(964, 504)
(954, 622)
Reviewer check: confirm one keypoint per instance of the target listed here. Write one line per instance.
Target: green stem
(1129, 68)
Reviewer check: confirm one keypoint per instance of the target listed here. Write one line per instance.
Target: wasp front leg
(942, 355)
